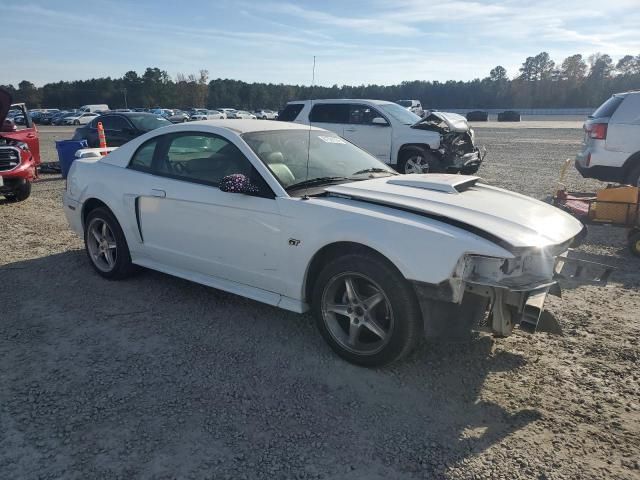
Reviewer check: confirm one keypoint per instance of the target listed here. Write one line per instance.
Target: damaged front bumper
(481, 296)
(469, 163)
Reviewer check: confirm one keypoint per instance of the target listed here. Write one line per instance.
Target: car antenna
(313, 79)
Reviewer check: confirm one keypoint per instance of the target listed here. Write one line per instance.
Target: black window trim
(163, 142)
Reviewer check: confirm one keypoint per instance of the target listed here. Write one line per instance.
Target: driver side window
(201, 158)
(363, 114)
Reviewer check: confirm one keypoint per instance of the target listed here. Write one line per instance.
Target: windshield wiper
(315, 181)
(374, 170)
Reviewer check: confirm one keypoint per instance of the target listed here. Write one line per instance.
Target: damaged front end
(497, 294)
(457, 149)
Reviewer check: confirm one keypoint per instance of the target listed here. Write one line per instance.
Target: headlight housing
(526, 271)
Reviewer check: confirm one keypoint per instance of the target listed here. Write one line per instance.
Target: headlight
(534, 268)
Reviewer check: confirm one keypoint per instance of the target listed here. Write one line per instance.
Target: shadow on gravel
(159, 377)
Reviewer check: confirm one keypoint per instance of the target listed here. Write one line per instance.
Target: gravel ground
(156, 377)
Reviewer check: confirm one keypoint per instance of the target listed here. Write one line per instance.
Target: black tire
(633, 177)
(122, 266)
(412, 159)
(76, 122)
(634, 243)
(21, 193)
(403, 326)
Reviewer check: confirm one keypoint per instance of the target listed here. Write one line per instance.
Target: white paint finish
(225, 235)
(519, 220)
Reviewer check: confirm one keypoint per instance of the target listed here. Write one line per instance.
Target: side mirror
(237, 183)
(379, 121)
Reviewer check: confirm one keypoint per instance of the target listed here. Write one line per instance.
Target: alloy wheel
(417, 164)
(102, 245)
(357, 313)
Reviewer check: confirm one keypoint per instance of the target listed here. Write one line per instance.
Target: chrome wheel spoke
(111, 245)
(338, 308)
(108, 256)
(374, 327)
(95, 235)
(354, 332)
(104, 229)
(373, 300)
(352, 295)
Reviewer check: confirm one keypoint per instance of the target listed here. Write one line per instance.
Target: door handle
(349, 129)
(158, 193)
(31, 135)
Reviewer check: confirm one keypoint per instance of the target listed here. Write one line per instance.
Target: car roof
(343, 100)
(246, 125)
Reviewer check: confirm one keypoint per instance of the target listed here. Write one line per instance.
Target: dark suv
(120, 127)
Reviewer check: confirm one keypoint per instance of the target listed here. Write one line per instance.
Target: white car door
(330, 116)
(188, 223)
(374, 136)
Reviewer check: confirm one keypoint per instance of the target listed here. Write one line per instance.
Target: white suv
(611, 145)
(439, 142)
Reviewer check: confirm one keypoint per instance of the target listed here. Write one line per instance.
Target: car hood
(447, 121)
(500, 215)
(5, 104)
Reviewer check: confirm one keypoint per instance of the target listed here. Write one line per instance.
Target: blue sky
(355, 42)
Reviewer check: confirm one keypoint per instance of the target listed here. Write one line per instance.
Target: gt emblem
(294, 242)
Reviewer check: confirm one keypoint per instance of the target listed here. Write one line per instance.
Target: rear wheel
(21, 193)
(633, 178)
(419, 161)
(366, 310)
(106, 245)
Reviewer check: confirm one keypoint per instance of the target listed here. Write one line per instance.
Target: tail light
(597, 131)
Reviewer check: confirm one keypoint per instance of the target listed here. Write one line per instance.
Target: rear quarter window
(290, 112)
(608, 108)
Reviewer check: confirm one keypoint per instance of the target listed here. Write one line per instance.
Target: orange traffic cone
(102, 139)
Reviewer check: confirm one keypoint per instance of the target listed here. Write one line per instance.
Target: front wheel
(420, 161)
(76, 122)
(21, 193)
(366, 310)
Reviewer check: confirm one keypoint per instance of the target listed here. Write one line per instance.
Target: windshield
(146, 122)
(285, 152)
(401, 114)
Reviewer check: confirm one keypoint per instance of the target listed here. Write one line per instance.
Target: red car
(19, 152)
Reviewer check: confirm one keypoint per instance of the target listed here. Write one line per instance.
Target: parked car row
(86, 113)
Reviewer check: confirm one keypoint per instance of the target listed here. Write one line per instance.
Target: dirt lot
(156, 377)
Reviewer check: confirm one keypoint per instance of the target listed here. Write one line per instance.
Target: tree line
(576, 82)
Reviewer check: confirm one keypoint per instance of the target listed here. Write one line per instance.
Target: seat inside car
(275, 161)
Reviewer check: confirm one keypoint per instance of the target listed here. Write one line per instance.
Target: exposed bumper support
(454, 307)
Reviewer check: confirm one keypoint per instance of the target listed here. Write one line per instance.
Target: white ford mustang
(299, 218)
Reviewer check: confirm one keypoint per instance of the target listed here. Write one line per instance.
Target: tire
(21, 193)
(419, 161)
(634, 243)
(76, 122)
(108, 252)
(376, 324)
(633, 178)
